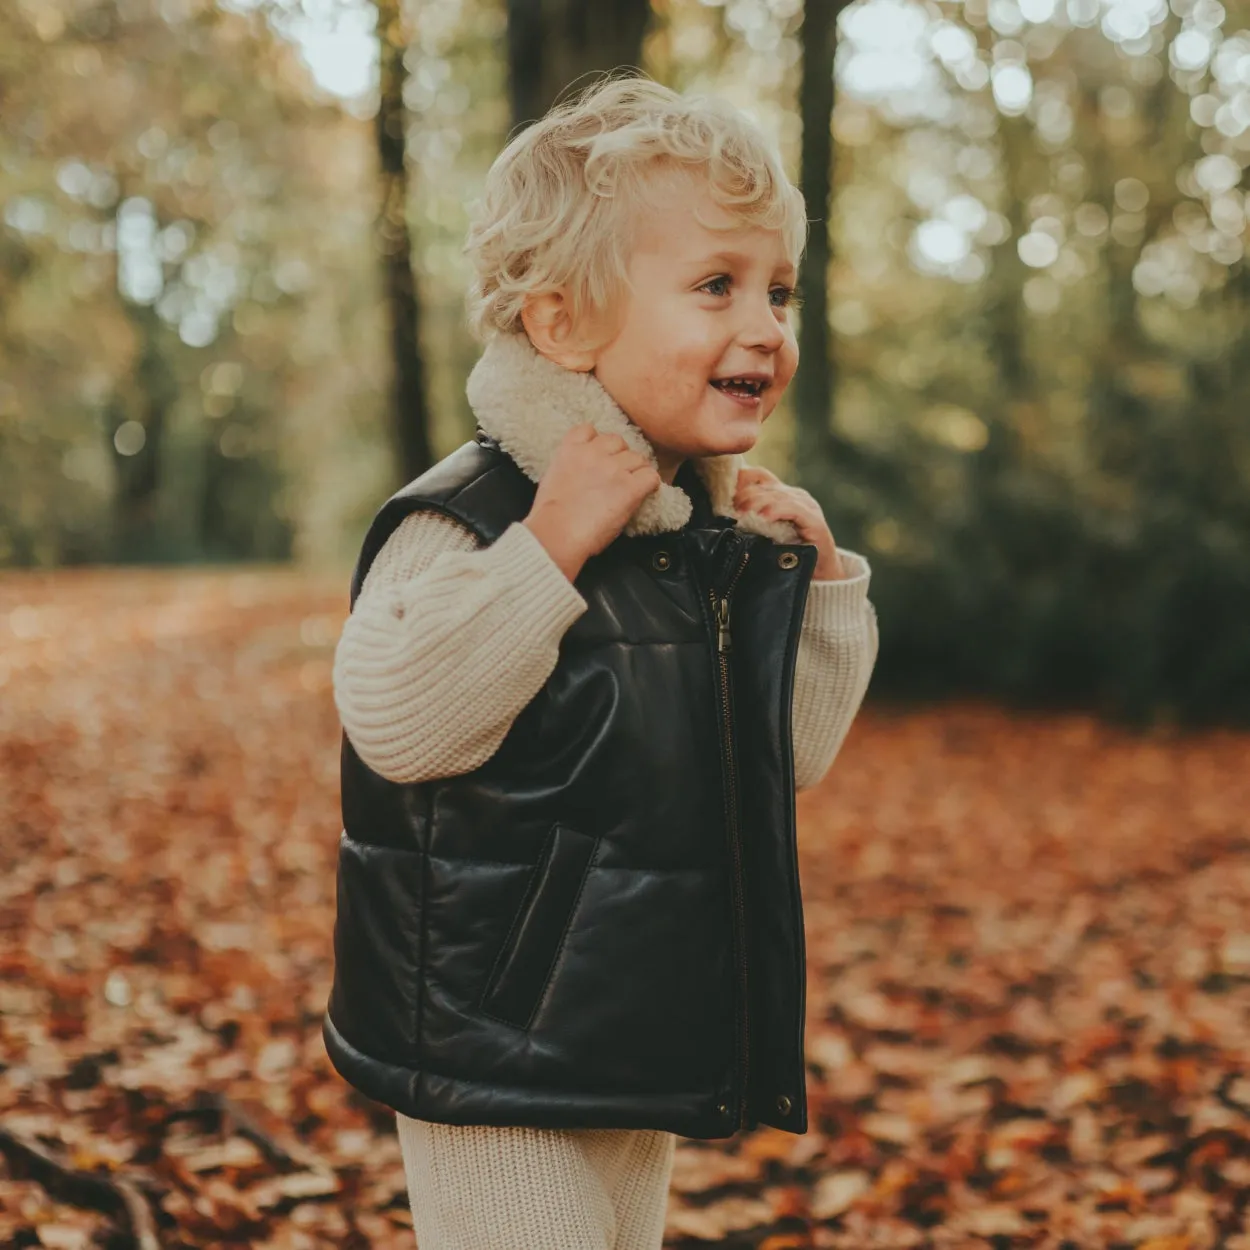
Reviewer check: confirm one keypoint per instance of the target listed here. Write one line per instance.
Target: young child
(590, 657)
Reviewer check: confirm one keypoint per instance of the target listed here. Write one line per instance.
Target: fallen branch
(1231, 1082)
(283, 1152)
(111, 1195)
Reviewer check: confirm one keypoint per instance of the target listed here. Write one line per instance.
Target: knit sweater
(446, 643)
(513, 1188)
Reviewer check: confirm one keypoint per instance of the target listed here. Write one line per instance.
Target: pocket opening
(519, 977)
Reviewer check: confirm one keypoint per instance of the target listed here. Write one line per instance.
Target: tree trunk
(411, 411)
(814, 439)
(150, 393)
(553, 43)
(1003, 312)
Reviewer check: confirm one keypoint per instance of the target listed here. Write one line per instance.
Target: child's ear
(548, 320)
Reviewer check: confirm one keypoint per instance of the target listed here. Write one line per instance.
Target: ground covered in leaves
(1028, 942)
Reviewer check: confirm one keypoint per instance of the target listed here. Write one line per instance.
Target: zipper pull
(724, 640)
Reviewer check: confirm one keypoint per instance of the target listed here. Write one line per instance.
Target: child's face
(704, 305)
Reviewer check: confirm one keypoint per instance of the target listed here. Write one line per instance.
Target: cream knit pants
(474, 1187)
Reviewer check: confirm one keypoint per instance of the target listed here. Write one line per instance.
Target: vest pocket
(524, 964)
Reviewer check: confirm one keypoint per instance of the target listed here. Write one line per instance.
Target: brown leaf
(1026, 942)
(836, 1192)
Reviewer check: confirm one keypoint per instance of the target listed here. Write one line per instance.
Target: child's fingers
(749, 488)
(753, 474)
(755, 496)
(775, 509)
(777, 505)
(776, 501)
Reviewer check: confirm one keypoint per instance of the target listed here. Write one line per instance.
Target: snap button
(723, 1108)
(660, 560)
(783, 1104)
(787, 559)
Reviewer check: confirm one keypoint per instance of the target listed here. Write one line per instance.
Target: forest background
(232, 322)
(231, 296)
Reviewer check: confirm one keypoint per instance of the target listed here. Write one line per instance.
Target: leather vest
(601, 926)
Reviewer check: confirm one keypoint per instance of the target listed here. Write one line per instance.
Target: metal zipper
(724, 643)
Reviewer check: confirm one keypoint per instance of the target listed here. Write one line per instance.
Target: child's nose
(763, 331)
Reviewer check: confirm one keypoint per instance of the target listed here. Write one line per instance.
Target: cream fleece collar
(528, 403)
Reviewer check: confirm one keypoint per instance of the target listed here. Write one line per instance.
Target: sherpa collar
(528, 403)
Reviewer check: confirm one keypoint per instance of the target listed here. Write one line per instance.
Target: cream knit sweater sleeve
(837, 651)
(449, 640)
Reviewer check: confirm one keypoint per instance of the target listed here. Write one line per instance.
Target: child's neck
(668, 462)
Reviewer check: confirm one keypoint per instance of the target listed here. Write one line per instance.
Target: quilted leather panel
(533, 943)
(378, 928)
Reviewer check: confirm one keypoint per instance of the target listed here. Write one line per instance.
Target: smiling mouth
(743, 388)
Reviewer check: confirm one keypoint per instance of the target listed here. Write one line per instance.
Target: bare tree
(394, 241)
(815, 440)
(552, 43)
(147, 396)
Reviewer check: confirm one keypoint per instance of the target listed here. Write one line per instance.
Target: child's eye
(780, 296)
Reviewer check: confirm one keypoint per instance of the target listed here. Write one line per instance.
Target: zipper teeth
(733, 581)
(730, 773)
(741, 907)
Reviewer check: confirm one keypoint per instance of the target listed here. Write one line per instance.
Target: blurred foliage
(187, 286)
(1038, 305)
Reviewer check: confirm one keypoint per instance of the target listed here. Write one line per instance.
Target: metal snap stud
(787, 559)
(723, 1108)
(660, 560)
(783, 1104)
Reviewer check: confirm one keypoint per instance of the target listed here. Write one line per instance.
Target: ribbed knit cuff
(837, 606)
(544, 595)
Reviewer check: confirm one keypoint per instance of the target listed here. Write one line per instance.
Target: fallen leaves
(1028, 945)
(836, 1192)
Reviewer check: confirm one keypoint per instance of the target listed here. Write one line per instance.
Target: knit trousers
(477, 1187)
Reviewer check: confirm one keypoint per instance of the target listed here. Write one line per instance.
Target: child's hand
(592, 486)
(765, 493)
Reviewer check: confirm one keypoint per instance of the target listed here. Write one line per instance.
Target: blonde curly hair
(559, 201)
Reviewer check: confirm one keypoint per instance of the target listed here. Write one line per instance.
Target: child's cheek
(787, 361)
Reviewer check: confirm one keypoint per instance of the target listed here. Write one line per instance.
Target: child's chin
(727, 445)
(721, 434)
(739, 438)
